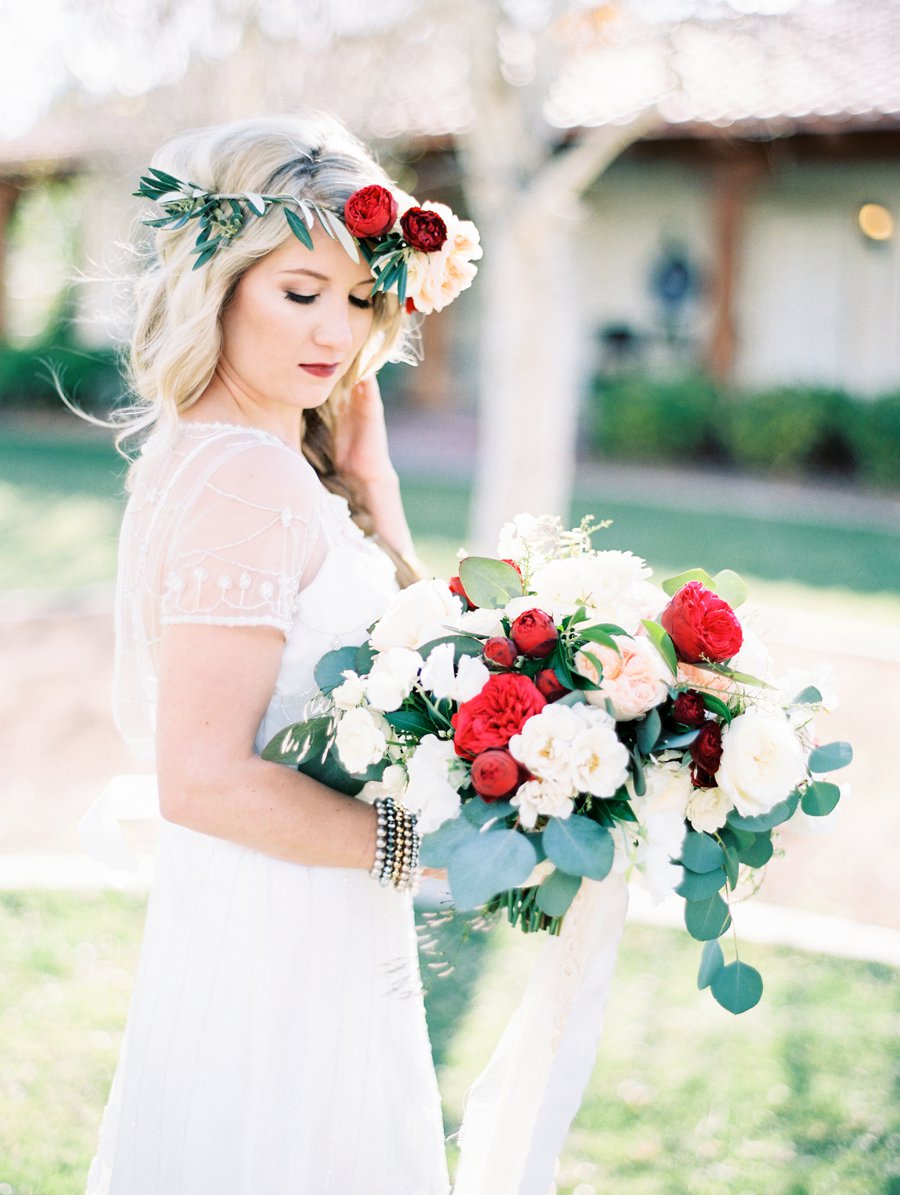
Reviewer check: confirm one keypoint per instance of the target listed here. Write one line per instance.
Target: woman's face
(294, 325)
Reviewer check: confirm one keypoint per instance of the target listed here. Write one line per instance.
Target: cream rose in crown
(552, 715)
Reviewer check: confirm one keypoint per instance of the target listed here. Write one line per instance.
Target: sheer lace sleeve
(243, 541)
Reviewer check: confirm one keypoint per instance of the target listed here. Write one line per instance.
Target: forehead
(327, 258)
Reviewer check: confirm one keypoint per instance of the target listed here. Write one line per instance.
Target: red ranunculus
(456, 587)
(423, 229)
(495, 774)
(370, 211)
(495, 714)
(706, 753)
(548, 683)
(501, 651)
(702, 625)
(688, 708)
(534, 634)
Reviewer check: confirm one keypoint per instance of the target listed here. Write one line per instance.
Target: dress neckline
(222, 425)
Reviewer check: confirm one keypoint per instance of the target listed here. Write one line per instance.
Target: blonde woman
(276, 1041)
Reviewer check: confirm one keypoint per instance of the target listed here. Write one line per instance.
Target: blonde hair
(177, 338)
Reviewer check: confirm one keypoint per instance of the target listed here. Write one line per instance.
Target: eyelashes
(362, 304)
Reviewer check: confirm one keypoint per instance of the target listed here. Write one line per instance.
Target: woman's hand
(360, 437)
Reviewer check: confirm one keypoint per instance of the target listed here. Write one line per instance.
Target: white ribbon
(125, 798)
(519, 1109)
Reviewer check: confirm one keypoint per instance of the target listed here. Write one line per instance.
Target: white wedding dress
(276, 1041)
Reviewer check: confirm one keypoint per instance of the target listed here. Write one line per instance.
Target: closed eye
(307, 299)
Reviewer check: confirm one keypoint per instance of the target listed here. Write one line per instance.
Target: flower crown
(423, 253)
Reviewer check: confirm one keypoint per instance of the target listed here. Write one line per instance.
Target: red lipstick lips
(320, 371)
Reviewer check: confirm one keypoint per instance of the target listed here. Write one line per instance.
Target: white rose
(634, 679)
(392, 677)
(708, 808)
(541, 798)
(481, 622)
(762, 761)
(349, 694)
(435, 774)
(361, 739)
(440, 677)
(596, 580)
(668, 790)
(391, 784)
(599, 759)
(544, 745)
(421, 611)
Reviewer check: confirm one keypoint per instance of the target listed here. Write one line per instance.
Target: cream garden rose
(708, 809)
(574, 749)
(762, 760)
(361, 739)
(541, 798)
(421, 611)
(633, 680)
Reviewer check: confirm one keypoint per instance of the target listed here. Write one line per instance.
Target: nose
(333, 330)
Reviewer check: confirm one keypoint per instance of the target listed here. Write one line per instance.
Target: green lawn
(797, 1097)
(60, 504)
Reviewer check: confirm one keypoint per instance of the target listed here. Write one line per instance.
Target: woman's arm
(214, 686)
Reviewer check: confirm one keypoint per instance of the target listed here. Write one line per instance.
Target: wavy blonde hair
(177, 336)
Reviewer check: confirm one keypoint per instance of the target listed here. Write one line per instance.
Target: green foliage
(784, 430)
(89, 377)
(578, 846)
(489, 583)
(488, 863)
(737, 987)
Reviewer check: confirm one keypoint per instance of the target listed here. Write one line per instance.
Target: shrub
(90, 377)
(875, 431)
(788, 430)
(644, 419)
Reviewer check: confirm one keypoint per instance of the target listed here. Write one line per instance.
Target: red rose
(688, 709)
(706, 753)
(534, 634)
(701, 625)
(495, 774)
(456, 587)
(501, 651)
(370, 211)
(423, 229)
(495, 714)
(548, 683)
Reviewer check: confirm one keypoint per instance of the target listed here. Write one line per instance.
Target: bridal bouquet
(552, 715)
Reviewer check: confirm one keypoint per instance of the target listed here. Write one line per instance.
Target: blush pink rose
(634, 680)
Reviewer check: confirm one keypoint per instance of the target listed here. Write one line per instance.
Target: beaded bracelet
(396, 845)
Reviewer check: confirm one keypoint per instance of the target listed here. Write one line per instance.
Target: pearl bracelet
(396, 845)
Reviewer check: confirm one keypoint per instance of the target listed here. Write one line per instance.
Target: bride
(276, 1040)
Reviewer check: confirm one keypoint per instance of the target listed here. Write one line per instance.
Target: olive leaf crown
(221, 217)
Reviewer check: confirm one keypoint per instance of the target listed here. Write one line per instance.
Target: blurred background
(686, 320)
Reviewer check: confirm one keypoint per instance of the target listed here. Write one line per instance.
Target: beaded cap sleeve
(223, 529)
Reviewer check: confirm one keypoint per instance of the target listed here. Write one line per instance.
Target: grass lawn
(797, 1097)
(60, 507)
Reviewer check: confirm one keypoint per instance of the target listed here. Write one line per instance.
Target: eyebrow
(325, 278)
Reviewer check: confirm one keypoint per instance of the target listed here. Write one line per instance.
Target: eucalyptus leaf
(820, 798)
(437, 847)
(556, 893)
(479, 812)
(808, 696)
(576, 697)
(766, 821)
(730, 587)
(329, 770)
(365, 656)
(329, 671)
(732, 865)
(701, 853)
(711, 960)
(758, 852)
(579, 847)
(684, 739)
(491, 862)
(302, 741)
(489, 583)
(662, 641)
(830, 757)
(672, 584)
(706, 919)
(737, 987)
(637, 774)
(700, 885)
(648, 731)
